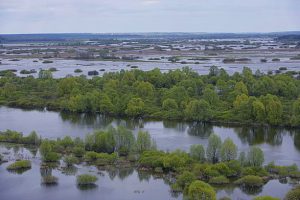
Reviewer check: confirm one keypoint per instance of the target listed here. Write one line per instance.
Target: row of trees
(119, 140)
(178, 94)
(112, 140)
(217, 151)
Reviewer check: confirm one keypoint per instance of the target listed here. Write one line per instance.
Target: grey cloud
(27, 16)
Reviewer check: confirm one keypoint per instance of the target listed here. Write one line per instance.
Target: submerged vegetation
(49, 180)
(20, 165)
(245, 97)
(86, 179)
(293, 194)
(194, 172)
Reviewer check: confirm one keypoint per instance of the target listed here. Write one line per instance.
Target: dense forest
(245, 97)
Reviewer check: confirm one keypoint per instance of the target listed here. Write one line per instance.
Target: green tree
(274, 109)
(45, 74)
(45, 148)
(66, 142)
(77, 104)
(33, 138)
(105, 104)
(104, 142)
(178, 93)
(8, 89)
(228, 150)
(143, 142)
(243, 159)
(242, 107)
(295, 121)
(240, 88)
(144, 89)
(213, 148)
(214, 71)
(198, 110)
(169, 104)
(211, 96)
(135, 107)
(255, 157)
(199, 190)
(66, 86)
(259, 111)
(124, 139)
(197, 152)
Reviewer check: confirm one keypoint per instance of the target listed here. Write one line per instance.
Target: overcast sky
(102, 16)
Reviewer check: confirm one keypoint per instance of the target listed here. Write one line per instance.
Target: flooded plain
(67, 67)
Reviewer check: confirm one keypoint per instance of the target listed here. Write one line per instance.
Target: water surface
(279, 145)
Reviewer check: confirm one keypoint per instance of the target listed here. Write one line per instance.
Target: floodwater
(279, 145)
(113, 184)
(67, 67)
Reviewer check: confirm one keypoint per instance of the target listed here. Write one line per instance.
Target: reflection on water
(202, 130)
(70, 170)
(18, 171)
(260, 135)
(278, 144)
(113, 183)
(297, 141)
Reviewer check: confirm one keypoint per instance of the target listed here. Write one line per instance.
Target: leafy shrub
(222, 168)
(106, 159)
(52, 69)
(209, 172)
(86, 179)
(266, 198)
(21, 164)
(47, 61)
(199, 190)
(219, 180)
(77, 70)
(235, 168)
(175, 160)
(70, 160)
(283, 171)
(250, 181)
(78, 151)
(255, 171)
(49, 180)
(11, 136)
(152, 159)
(185, 179)
(91, 156)
(197, 152)
(51, 157)
(100, 158)
(293, 194)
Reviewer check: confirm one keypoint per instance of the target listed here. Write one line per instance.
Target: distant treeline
(245, 97)
(10, 38)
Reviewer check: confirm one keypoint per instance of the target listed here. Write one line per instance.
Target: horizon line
(152, 32)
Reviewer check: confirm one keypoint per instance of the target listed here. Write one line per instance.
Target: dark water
(115, 184)
(279, 145)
